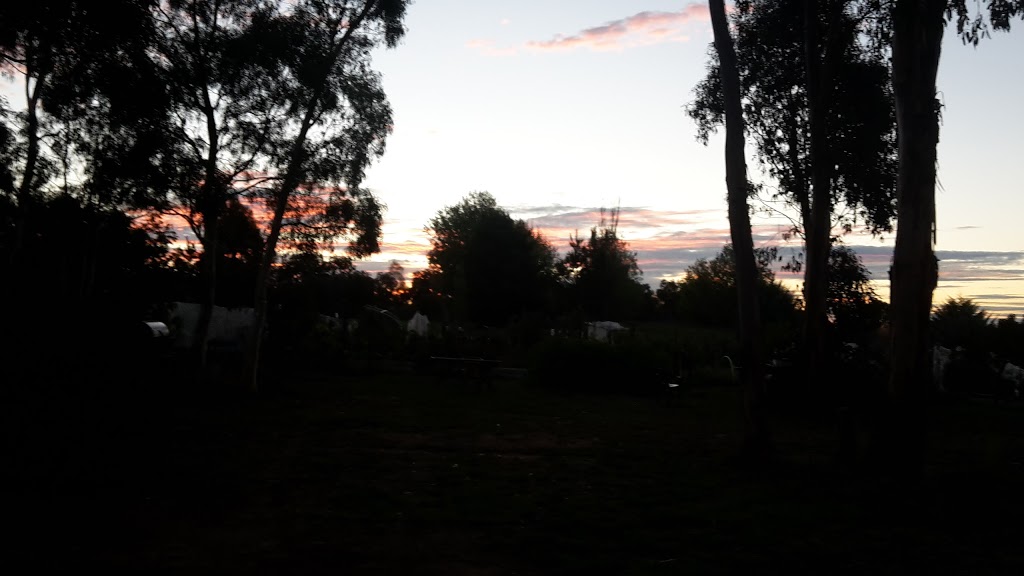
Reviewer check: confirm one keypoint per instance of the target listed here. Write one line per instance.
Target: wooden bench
(477, 371)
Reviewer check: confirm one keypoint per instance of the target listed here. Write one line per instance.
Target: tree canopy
(707, 293)
(852, 304)
(602, 274)
(770, 47)
(487, 267)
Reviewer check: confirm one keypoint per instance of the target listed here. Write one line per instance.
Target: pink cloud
(643, 28)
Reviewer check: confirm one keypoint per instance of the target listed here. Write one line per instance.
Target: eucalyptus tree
(89, 88)
(275, 102)
(914, 30)
(339, 118)
(818, 106)
(756, 428)
(487, 267)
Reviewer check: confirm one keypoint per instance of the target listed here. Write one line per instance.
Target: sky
(559, 109)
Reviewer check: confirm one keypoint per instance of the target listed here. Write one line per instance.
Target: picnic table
(467, 370)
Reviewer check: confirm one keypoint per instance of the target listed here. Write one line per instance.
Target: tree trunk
(756, 428)
(26, 188)
(291, 181)
(818, 228)
(208, 273)
(283, 195)
(262, 282)
(212, 201)
(916, 47)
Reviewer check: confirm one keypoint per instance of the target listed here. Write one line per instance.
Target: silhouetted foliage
(485, 267)
(391, 291)
(602, 276)
(960, 322)
(914, 32)
(861, 123)
(1009, 339)
(707, 294)
(749, 327)
(83, 124)
(88, 278)
(818, 106)
(854, 309)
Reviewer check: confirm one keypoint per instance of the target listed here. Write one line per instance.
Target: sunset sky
(558, 109)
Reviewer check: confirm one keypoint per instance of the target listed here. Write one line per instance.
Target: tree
(706, 295)
(341, 121)
(72, 59)
(486, 267)
(742, 238)
(225, 110)
(1009, 340)
(602, 274)
(391, 288)
(818, 106)
(914, 29)
(960, 322)
(853, 308)
(308, 286)
(239, 253)
(276, 101)
(93, 271)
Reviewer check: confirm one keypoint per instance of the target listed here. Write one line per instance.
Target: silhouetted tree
(852, 305)
(307, 286)
(275, 100)
(1008, 339)
(391, 291)
(485, 267)
(88, 275)
(960, 322)
(240, 251)
(82, 128)
(227, 110)
(742, 239)
(339, 120)
(707, 293)
(602, 274)
(914, 29)
(781, 47)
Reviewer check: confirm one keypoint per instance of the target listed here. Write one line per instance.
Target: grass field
(403, 475)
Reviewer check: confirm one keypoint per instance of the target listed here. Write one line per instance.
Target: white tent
(603, 331)
(419, 324)
(227, 324)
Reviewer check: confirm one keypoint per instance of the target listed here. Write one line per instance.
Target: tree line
(253, 122)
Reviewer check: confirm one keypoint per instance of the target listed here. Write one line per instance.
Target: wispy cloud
(642, 28)
(490, 47)
(631, 218)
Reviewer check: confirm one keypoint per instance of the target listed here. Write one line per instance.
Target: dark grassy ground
(402, 475)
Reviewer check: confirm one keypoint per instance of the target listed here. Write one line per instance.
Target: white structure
(602, 331)
(418, 324)
(158, 329)
(941, 357)
(233, 325)
(1014, 375)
